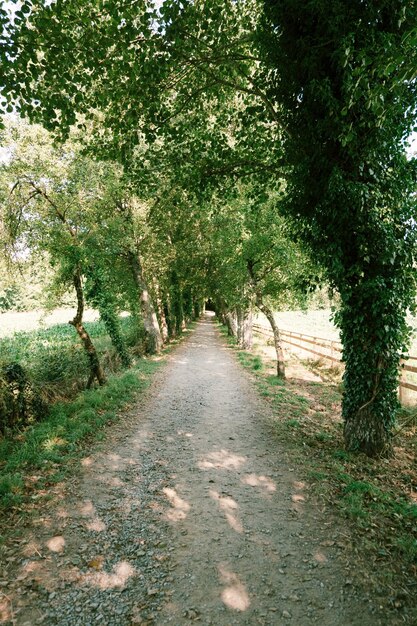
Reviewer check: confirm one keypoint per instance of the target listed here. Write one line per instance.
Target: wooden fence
(332, 350)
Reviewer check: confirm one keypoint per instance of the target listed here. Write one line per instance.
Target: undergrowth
(56, 362)
(38, 456)
(40, 367)
(378, 496)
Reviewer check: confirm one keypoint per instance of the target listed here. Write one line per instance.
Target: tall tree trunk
(277, 339)
(161, 312)
(168, 316)
(270, 317)
(187, 298)
(96, 371)
(221, 313)
(177, 307)
(244, 328)
(231, 323)
(150, 321)
(370, 401)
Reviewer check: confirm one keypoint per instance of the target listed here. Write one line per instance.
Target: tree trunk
(169, 317)
(368, 425)
(161, 313)
(244, 328)
(177, 308)
(96, 371)
(371, 352)
(197, 309)
(187, 299)
(277, 339)
(150, 321)
(220, 311)
(112, 324)
(231, 323)
(102, 299)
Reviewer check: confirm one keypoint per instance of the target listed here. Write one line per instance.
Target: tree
(131, 250)
(343, 76)
(280, 272)
(253, 262)
(40, 216)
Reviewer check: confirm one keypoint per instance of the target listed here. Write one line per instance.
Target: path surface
(189, 513)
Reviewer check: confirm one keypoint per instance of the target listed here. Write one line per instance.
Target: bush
(20, 401)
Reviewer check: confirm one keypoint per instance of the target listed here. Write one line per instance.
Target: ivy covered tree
(343, 77)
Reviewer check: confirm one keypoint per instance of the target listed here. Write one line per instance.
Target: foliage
(340, 77)
(63, 207)
(54, 366)
(102, 298)
(191, 97)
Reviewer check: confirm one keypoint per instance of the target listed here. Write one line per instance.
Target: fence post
(401, 389)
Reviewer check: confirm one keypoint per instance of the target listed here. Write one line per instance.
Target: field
(17, 321)
(51, 355)
(46, 362)
(318, 323)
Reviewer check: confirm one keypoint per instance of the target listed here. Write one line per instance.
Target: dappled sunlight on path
(179, 507)
(234, 595)
(222, 460)
(109, 580)
(264, 482)
(56, 544)
(229, 508)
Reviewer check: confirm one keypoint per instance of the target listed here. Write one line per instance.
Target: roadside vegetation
(39, 456)
(54, 362)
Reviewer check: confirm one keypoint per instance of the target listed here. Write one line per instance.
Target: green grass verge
(39, 456)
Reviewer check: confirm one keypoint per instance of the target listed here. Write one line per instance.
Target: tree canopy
(247, 130)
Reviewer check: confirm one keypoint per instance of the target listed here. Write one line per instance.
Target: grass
(55, 354)
(378, 497)
(249, 360)
(40, 455)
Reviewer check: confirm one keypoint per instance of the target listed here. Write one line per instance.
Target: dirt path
(190, 512)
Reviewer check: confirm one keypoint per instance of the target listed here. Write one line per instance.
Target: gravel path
(190, 512)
